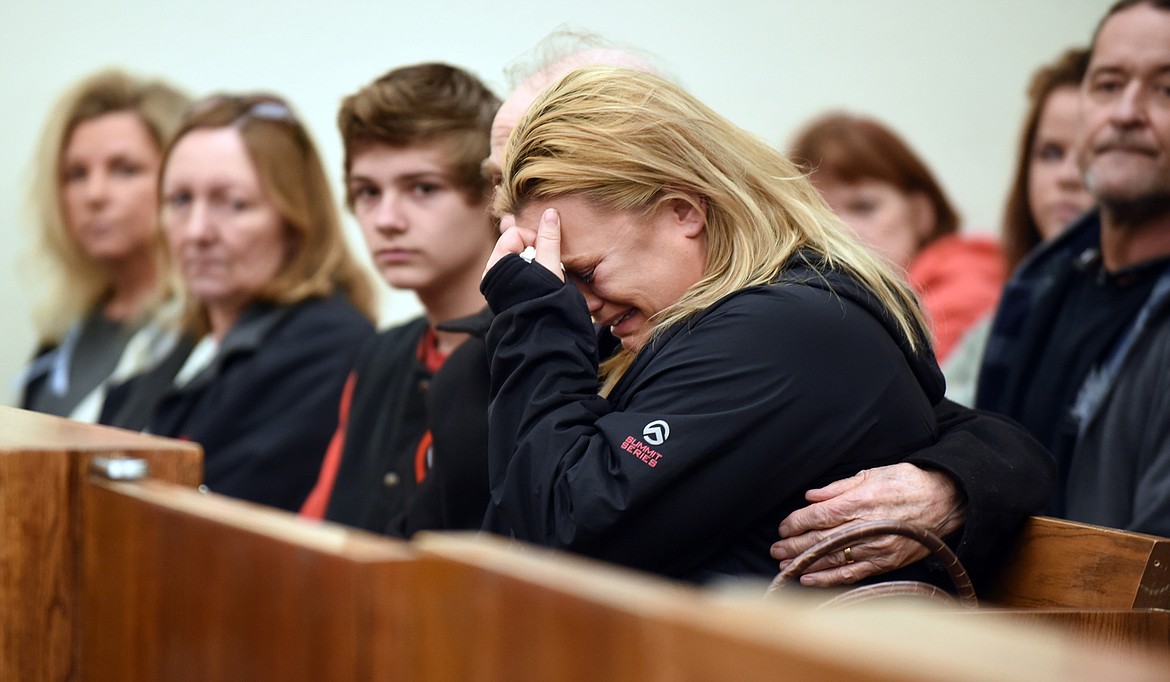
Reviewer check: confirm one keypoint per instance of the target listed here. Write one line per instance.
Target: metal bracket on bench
(119, 468)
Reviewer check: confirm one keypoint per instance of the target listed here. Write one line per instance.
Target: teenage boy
(410, 450)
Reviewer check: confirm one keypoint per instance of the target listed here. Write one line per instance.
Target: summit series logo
(656, 432)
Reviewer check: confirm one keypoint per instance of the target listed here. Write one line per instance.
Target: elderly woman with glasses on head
(276, 308)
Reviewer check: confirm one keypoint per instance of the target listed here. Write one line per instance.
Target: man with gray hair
(1080, 348)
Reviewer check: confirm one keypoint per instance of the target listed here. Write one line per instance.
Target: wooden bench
(180, 585)
(225, 590)
(1109, 585)
(1063, 564)
(152, 580)
(44, 465)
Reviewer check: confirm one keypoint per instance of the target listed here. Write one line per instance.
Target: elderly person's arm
(974, 488)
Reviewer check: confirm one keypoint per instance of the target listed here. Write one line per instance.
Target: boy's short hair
(424, 104)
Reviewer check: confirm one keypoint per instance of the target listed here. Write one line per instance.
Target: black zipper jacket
(712, 436)
(396, 400)
(266, 406)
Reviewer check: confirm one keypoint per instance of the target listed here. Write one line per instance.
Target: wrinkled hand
(901, 492)
(545, 239)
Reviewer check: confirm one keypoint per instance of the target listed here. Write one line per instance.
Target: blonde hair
(627, 140)
(293, 179)
(75, 284)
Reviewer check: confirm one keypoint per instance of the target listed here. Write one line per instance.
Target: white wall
(949, 74)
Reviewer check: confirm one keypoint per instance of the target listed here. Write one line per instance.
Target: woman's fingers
(548, 242)
(542, 245)
(867, 558)
(511, 241)
(507, 222)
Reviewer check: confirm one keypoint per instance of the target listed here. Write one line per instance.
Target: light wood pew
(1065, 564)
(181, 585)
(155, 581)
(1110, 586)
(621, 625)
(43, 468)
(225, 590)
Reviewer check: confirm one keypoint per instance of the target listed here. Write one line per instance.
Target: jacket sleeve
(1151, 500)
(697, 450)
(1003, 471)
(1119, 474)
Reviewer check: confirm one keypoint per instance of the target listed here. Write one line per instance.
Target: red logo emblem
(644, 452)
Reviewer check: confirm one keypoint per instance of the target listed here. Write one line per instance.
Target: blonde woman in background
(103, 314)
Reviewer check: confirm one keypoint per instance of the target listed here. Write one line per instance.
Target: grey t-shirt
(99, 347)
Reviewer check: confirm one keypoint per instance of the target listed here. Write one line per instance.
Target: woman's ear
(689, 214)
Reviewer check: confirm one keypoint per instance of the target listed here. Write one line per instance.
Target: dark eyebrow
(424, 175)
(398, 179)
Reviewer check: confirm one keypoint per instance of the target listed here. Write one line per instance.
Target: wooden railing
(153, 580)
(44, 464)
(1062, 564)
(1105, 584)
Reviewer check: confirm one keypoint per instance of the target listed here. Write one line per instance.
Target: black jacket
(265, 408)
(713, 435)
(1118, 473)
(395, 402)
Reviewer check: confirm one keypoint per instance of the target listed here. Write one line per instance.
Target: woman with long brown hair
(1046, 195)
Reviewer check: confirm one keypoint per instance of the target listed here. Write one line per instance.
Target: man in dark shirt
(1080, 348)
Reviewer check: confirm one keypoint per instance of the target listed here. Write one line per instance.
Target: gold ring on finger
(848, 555)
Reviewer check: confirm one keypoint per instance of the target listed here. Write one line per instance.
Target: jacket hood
(809, 270)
